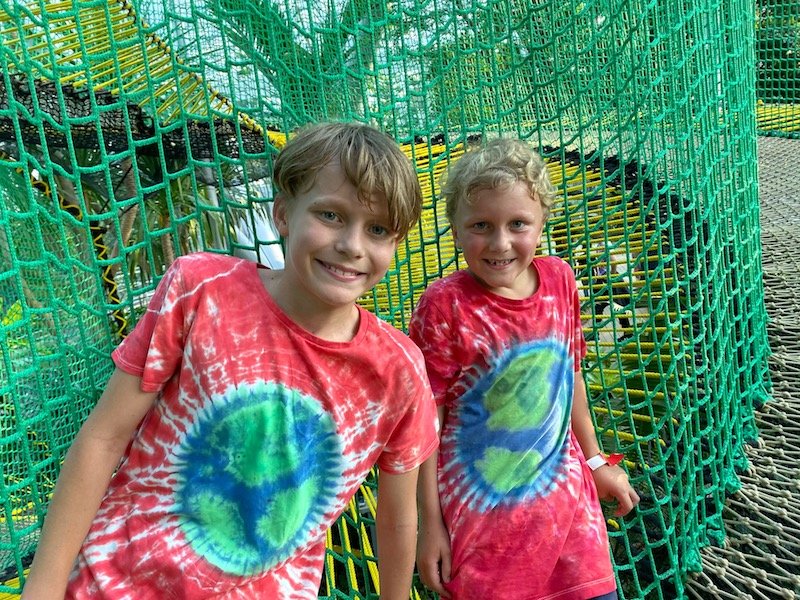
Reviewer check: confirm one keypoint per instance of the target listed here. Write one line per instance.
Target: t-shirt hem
(585, 591)
(133, 369)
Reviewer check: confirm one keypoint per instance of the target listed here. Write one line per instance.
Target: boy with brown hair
(248, 405)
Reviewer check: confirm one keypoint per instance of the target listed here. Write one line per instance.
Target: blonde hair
(370, 160)
(498, 164)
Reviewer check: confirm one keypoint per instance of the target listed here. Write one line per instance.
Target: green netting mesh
(777, 35)
(133, 132)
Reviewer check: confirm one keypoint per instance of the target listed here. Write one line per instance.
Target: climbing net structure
(135, 131)
(757, 558)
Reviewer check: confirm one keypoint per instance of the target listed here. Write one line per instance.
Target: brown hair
(370, 160)
(498, 164)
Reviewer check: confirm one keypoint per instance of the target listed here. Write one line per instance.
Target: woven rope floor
(761, 555)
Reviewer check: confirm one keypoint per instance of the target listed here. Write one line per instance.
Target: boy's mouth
(499, 263)
(339, 271)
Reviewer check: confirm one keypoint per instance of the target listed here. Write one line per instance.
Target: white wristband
(597, 461)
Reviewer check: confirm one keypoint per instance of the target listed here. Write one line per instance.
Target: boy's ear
(279, 217)
(454, 231)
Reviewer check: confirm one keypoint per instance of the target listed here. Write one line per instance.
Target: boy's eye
(327, 215)
(480, 226)
(517, 224)
(379, 230)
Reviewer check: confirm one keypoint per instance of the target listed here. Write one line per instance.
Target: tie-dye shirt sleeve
(414, 435)
(164, 321)
(579, 342)
(433, 333)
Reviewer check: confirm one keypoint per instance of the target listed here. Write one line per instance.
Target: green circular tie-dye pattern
(518, 397)
(510, 425)
(258, 470)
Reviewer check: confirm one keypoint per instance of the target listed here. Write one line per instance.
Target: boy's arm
(611, 480)
(83, 481)
(433, 545)
(582, 424)
(396, 525)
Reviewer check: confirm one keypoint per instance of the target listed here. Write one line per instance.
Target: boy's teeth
(340, 271)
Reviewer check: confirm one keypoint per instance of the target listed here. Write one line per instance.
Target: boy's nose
(350, 242)
(499, 240)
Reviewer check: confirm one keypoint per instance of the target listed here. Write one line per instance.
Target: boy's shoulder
(209, 260)
(200, 266)
(552, 261)
(382, 329)
(553, 267)
(452, 284)
(390, 343)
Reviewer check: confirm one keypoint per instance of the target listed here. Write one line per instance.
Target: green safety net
(132, 132)
(777, 35)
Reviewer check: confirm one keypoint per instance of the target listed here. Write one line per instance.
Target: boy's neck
(333, 325)
(524, 287)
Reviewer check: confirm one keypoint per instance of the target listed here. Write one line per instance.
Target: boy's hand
(433, 556)
(612, 484)
(396, 527)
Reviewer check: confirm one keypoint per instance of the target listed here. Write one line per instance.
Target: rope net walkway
(134, 131)
(758, 559)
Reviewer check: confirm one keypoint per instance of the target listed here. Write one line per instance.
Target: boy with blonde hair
(511, 508)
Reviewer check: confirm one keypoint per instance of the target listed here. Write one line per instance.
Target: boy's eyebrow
(328, 199)
(338, 200)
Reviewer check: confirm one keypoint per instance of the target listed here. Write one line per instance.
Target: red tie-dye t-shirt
(260, 435)
(518, 499)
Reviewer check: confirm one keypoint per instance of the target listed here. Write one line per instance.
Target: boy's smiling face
(337, 247)
(499, 231)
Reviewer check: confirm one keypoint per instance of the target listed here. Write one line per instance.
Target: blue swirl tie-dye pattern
(262, 449)
(510, 430)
